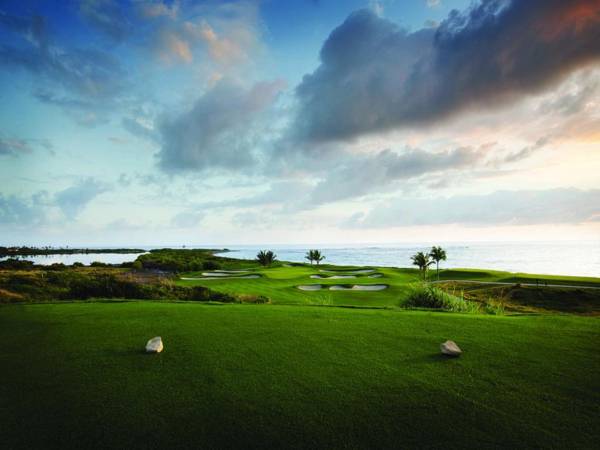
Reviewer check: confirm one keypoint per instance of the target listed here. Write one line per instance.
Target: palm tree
(266, 257)
(314, 255)
(309, 256)
(422, 260)
(437, 254)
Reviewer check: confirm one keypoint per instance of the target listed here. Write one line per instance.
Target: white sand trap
(221, 277)
(369, 287)
(359, 287)
(376, 275)
(333, 276)
(339, 288)
(349, 272)
(231, 271)
(310, 287)
(214, 274)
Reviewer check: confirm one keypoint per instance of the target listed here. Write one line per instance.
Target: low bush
(427, 296)
(16, 264)
(69, 284)
(210, 265)
(256, 299)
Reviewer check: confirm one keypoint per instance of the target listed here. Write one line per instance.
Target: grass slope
(242, 376)
(279, 284)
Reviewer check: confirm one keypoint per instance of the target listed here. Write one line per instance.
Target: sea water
(557, 258)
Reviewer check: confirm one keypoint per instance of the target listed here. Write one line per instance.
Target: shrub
(16, 264)
(210, 265)
(78, 264)
(256, 299)
(428, 296)
(98, 264)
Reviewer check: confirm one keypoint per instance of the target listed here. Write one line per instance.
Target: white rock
(450, 348)
(154, 345)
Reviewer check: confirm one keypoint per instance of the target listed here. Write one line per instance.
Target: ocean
(556, 258)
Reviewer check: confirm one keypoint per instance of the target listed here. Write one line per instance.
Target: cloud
(187, 219)
(86, 82)
(14, 147)
(107, 16)
(220, 131)
(362, 174)
(21, 211)
(172, 47)
(376, 76)
(18, 146)
(221, 49)
(530, 207)
(226, 34)
(73, 200)
(159, 9)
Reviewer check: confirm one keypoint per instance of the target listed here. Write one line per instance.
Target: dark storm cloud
(220, 131)
(555, 206)
(376, 76)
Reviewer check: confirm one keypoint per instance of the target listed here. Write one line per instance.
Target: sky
(299, 121)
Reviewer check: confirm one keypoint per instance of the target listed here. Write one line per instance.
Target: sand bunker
(333, 276)
(370, 287)
(376, 275)
(337, 287)
(310, 287)
(231, 271)
(220, 277)
(359, 287)
(349, 272)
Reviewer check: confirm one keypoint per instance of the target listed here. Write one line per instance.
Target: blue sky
(305, 121)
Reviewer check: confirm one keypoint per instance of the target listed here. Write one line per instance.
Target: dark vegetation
(31, 251)
(266, 258)
(530, 299)
(314, 256)
(85, 283)
(189, 260)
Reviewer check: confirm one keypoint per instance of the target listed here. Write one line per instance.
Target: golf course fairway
(75, 375)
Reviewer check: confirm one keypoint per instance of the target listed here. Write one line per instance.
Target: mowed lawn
(264, 376)
(280, 284)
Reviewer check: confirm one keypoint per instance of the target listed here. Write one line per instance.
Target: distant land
(25, 251)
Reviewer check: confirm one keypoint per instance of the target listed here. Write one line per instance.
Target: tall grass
(423, 295)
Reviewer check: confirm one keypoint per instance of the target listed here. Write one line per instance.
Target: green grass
(243, 376)
(279, 283)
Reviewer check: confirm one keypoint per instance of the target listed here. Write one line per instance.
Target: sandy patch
(369, 287)
(218, 277)
(349, 272)
(333, 276)
(359, 287)
(231, 271)
(309, 287)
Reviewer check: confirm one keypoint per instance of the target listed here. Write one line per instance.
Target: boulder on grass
(450, 348)
(154, 345)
